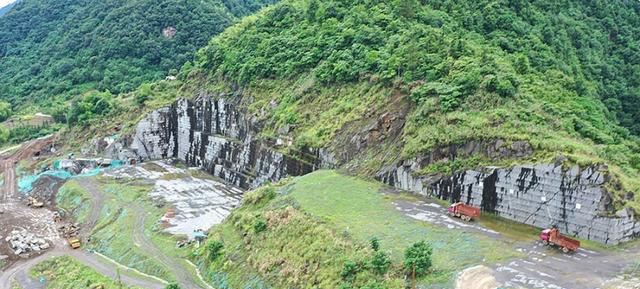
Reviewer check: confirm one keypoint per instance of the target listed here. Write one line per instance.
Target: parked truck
(464, 211)
(553, 237)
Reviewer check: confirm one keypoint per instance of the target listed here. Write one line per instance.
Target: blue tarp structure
(25, 184)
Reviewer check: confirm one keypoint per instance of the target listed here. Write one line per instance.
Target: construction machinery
(74, 243)
(464, 211)
(554, 238)
(35, 203)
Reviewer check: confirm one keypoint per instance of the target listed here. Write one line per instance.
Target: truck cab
(545, 235)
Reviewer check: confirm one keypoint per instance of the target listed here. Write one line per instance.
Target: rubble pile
(23, 242)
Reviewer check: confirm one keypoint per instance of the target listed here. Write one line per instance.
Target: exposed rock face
(213, 134)
(541, 195)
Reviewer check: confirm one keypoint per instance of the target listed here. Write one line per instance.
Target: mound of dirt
(478, 277)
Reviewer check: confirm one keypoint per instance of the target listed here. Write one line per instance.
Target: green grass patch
(66, 272)
(355, 206)
(294, 250)
(317, 222)
(113, 233)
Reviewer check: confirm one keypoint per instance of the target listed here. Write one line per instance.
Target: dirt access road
(184, 277)
(8, 163)
(19, 271)
(542, 267)
(9, 200)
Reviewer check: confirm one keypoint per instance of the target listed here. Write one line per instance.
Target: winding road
(183, 276)
(18, 272)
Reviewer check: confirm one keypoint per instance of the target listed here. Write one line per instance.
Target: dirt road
(8, 162)
(542, 267)
(97, 202)
(184, 277)
(9, 200)
(19, 272)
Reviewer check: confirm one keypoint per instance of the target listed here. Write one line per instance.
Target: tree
(143, 93)
(4, 134)
(215, 249)
(417, 259)
(5, 110)
(172, 286)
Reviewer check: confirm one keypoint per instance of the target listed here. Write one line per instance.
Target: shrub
(349, 271)
(259, 225)
(417, 258)
(263, 194)
(375, 244)
(215, 249)
(380, 263)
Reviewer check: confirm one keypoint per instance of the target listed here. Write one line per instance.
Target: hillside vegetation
(55, 49)
(562, 75)
(306, 233)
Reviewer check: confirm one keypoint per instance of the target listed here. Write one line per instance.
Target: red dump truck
(464, 211)
(553, 237)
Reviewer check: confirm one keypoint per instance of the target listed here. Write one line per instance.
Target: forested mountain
(590, 50)
(561, 75)
(54, 48)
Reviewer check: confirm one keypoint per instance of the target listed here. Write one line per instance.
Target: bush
(260, 195)
(259, 225)
(172, 286)
(215, 249)
(380, 263)
(375, 244)
(5, 110)
(417, 258)
(349, 271)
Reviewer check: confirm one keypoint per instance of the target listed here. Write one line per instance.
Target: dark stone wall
(541, 195)
(214, 135)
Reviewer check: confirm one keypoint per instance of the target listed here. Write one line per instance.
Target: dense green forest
(60, 48)
(593, 46)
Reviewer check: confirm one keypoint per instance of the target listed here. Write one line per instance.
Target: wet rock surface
(214, 135)
(197, 201)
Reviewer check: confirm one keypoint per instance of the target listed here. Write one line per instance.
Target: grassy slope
(323, 219)
(65, 272)
(113, 233)
(74, 200)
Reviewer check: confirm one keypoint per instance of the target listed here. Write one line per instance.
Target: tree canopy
(452, 49)
(65, 47)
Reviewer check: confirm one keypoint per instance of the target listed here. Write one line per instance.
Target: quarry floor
(542, 266)
(202, 202)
